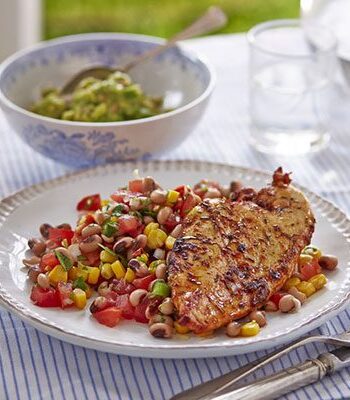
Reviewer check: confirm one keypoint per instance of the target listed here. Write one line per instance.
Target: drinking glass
(291, 69)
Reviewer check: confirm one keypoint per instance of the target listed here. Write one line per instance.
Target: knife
(288, 380)
(218, 385)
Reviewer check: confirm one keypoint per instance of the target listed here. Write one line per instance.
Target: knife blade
(293, 378)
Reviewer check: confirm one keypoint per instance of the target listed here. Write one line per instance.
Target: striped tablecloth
(36, 366)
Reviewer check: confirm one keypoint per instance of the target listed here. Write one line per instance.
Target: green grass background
(155, 17)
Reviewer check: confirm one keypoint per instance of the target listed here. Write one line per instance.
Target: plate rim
(9, 204)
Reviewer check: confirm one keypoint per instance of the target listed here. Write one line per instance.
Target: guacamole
(116, 98)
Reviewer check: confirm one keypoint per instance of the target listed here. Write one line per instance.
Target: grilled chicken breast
(233, 255)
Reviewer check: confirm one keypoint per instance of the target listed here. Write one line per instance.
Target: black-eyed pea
(140, 242)
(233, 329)
(123, 244)
(298, 295)
(161, 330)
(90, 244)
(38, 248)
(74, 251)
(136, 296)
(166, 307)
(107, 239)
(328, 261)
(158, 196)
(148, 184)
(28, 262)
(163, 214)
(44, 230)
(161, 271)
(43, 281)
(176, 232)
(259, 317)
(289, 303)
(90, 230)
(161, 318)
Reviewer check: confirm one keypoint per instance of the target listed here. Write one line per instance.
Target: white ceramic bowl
(184, 80)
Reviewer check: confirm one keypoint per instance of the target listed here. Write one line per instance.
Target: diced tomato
(136, 186)
(123, 303)
(188, 204)
(45, 297)
(64, 292)
(143, 283)
(109, 316)
(140, 311)
(178, 205)
(182, 189)
(309, 270)
(137, 231)
(89, 203)
(89, 219)
(120, 195)
(127, 223)
(122, 287)
(276, 297)
(49, 261)
(58, 234)
(93, 258)
(171, 222)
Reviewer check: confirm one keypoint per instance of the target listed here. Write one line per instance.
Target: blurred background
(154, 17)
(24, 22)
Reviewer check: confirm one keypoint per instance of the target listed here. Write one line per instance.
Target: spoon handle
(213, 18)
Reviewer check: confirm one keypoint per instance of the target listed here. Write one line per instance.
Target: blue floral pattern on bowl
(81, 149)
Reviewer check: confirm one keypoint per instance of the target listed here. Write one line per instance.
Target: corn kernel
(250, 329)
(169, 243)
(104, 202)
(130, 275)
(304, 259)
(77, 272)
(118, 269)
(156, 238)
(79, 298)
(307, 288)
(291, 282)
(94, 274)
(180, 328)
(150, 227)
(106, 271)
(172, 196)
(319, 281)
(312, 251)
(113, 218)
(107, 257)
(58, 274)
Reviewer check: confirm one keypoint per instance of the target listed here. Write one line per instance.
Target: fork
(208, 390)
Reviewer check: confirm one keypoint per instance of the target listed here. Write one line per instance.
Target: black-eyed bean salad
(119, 249)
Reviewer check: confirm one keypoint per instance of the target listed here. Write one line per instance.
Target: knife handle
(276, 385)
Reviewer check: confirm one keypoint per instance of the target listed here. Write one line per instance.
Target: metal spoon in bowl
(213, 18)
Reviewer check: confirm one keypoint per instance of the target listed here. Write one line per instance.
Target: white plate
(54, 202)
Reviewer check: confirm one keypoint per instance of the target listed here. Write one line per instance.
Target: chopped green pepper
(160, 288)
